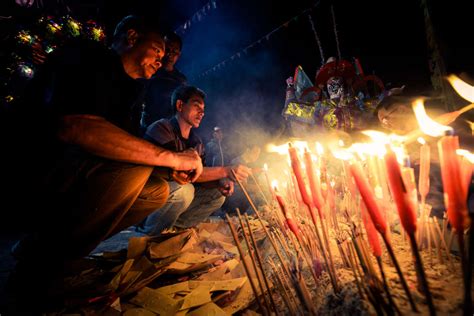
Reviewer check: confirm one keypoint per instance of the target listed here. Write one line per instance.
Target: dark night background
(388, 37)
(247, 94)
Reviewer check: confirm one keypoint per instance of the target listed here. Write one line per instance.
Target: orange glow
(427, 125)
(465, 90)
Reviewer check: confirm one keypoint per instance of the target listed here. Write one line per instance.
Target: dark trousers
(92, 199)
(84, 202)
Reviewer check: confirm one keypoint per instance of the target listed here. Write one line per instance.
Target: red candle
(289, 218)
(314, 183)
(454, 195)
(400, 194)
(371, 233)
(368, 196)
(295, 164)
(408, 175)
(424, 176)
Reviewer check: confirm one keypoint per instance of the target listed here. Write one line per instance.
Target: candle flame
(342, 154)
(471, 126)
(465, 153)
(300, 145)
(427, 125)
(465, 90)
(275, 184)
(377, 137)
(367, 149)
(265, 167)
(341, 143)
(280, 149)
(401, 154)
(319, 148)
(421, 140)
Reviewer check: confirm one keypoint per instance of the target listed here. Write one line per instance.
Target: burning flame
(427, 125)
(342, 154)
(421, 140)
(368, 149)
(265, 167)
(465, 90)
(300, 145)
(275, 184)
(319, 149)
(465, 153)
(471, 125)
(377, 137)
(281, 149)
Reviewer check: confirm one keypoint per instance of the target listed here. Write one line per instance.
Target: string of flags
(196, 17)
(245, 50)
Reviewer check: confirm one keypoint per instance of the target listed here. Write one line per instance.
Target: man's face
(172, 54)
(148, 53)
(192, 111)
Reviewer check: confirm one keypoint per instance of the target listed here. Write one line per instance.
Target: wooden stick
(329, 264)
(246, 267)
(386, 287)
(451, 238)
(429, 240)
(421, 272)
(283, 293)
(436, 240)
(260, 189)
(466, 271)
(254, 263)
(399, 271)
(443, 242)
(282, 275)
(260, 262)
(356, 276)
(283, 262)
(470, 266)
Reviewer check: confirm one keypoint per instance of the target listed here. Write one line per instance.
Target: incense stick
(254, 263)
(260, 262)
(246, 267)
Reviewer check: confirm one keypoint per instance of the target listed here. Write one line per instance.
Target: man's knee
(155, 192)
(183, 194)
(217, 198)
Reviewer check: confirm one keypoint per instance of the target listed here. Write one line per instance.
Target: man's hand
(241, 172)
(180, 177)
(189, 162)
(226, 187)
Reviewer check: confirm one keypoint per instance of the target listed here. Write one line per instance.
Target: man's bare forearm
(213, 173)
(102, 138)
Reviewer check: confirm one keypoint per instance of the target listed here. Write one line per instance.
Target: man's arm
(217, 173)
(98, 136)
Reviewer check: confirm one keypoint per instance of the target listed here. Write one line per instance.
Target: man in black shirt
(92, 171)
(160, 87)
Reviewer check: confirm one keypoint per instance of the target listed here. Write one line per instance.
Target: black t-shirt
(167, 134)
(87, 78)
(158, 97)
(82, 77)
